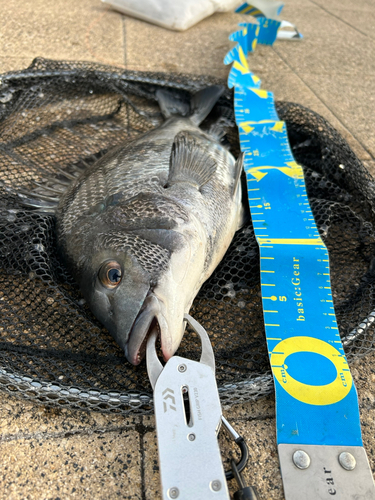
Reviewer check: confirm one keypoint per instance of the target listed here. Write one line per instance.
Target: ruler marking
(291, 241)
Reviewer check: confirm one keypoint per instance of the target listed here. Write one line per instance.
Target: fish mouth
(146, 321)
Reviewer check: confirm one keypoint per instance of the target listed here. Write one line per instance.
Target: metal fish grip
(188, 418)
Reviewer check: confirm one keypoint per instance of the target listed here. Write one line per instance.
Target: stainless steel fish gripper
(188, 418)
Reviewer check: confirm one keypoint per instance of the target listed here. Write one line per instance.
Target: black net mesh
(58, 115)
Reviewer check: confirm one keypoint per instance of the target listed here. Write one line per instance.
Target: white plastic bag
(176, 15)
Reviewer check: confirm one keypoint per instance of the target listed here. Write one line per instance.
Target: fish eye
(110, 274)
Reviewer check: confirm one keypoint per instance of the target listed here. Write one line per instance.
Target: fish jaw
(171, 328)
(136, 345)
(178, 287)
(171, 298)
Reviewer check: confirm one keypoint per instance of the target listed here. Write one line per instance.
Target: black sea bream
(146, 225)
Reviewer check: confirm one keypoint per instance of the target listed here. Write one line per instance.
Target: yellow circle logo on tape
(311, 394)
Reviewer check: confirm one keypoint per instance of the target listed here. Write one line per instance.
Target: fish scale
(152, 257)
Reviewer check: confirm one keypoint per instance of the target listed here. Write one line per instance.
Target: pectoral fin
(190, 162)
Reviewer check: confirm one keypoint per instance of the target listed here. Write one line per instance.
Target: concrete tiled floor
(65, 454)
(78, 466)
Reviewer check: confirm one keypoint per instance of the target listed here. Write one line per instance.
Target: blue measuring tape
(316, 400)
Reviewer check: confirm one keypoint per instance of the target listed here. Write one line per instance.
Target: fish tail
(200, 105)
(203, 101)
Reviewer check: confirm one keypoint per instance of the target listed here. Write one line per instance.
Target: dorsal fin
(190, 162)
(46, 195)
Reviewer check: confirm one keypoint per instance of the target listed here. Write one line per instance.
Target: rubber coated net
(58, 115)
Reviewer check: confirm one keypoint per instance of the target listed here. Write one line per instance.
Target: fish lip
(144, 323)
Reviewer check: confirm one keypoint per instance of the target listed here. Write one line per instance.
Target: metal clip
(154, 367)
(241, 443)
(188, 418)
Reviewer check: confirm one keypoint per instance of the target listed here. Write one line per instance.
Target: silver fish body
(145, 226)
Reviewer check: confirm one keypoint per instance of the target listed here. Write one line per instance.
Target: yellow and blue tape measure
(316, 399)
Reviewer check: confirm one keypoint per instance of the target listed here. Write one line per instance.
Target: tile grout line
(68, 434)
(325, 104)
(125, 52)
(342, 20)
(142, 431)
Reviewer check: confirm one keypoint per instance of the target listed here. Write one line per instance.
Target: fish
(145, 226)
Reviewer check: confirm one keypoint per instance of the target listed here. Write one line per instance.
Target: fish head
(118, 278)
(131, 262)
(115, 286)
